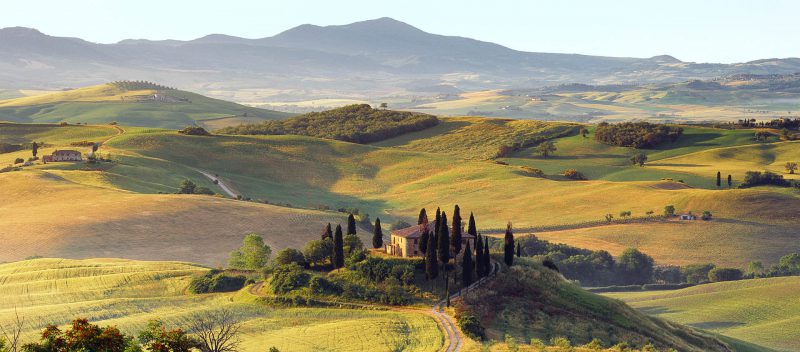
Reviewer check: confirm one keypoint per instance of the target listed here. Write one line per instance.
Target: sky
(699, 30)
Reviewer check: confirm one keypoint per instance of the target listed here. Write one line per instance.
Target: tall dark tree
(479, 268)
(487, 259)
(508, 246)
(338, 248)
(719, 179)
(351, 225)
(471, 228)
(431, 265)
(443, 245)
(423, 217)
(730, 181)
(455, 236)
(423, 239)
(377, 236)
(438, 221)
(327, 232)
(35, 148)
(519, 251)
(467, 267)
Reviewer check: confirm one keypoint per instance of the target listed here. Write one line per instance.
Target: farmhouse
(405, 242)
(688, 216)
(63, 155)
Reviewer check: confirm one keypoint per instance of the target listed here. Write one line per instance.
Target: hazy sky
(698, 30)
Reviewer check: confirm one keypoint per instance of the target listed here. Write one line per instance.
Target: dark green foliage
(187, 187)
(518, 250)
(443, 239)
(322, 286)
(423, 240)
(635, 267)
(289, 256)
(639, 159)
(431, 266)
(203, 190)
(455, 237)
(719, 179)
(423, 217)
(19, 161)
(253, 255)
(157, 338)
(287, 278)
(471, 228)
(467, 267)
(547, 263)
(327, 232)
(351, 225)
(194, 131)
(669, 210)
(34, 149)
(81, 336)
(697, 273)
(438, 220)
(471, 326)
(508, 245)
(317, 252)
(545, 148)
(377, 236)
(730, 181)
(724, 274)
(338, 248)
(756, 178)
(479, 267)
(216, 281)
(352, 244)
(487, 259)
(353, 123)
(636, 134)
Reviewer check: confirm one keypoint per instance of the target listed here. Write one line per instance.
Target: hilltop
(130, 103)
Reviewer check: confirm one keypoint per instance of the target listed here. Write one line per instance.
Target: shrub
(635, 267)
(724, 274)
(216, 281)
(574, 174)
(669, 211)
(322, 286)
(471, 326)
(756, 178)
(636, 134)
(19, 161)
(194, 131)
(706, 215)
(530, 171)
(287, 278)
(697, 273)
(289, 256)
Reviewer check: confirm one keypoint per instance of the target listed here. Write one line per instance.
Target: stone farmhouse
(405, 242)
(63, 155)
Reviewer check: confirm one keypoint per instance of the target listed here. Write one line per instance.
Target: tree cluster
(640, 135)
(353, 123)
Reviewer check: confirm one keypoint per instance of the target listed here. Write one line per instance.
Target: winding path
(219, 182)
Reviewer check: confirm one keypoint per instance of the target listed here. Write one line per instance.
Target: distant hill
(394, 55)
(131, 103)
(354, 123)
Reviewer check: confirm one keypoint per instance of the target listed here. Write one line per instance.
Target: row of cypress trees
(337, 255)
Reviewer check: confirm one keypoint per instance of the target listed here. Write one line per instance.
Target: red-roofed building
(405, 242)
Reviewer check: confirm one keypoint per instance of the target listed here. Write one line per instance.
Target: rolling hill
(761, 311)
(132, 104)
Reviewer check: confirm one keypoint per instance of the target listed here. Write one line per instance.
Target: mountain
(378, 57)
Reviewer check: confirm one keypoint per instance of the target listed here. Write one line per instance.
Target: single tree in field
(519, 250)
(471, 228)
(508, 245)
(443, 247)
(217, 330)
(384, 106)
(478, 256)
(545, 148)
(187, 187)
(423, 216)
(253, 255)
(669, 211)
(467, 267)
(377, 236)
(455, 237)
(35, 148)
(719, 179)
(327, 232)
(95, 146)
(338, 248)
(639, 159)
(351, 225)
(791, 167)
(584, 132)
(730, 181)
(431, 265)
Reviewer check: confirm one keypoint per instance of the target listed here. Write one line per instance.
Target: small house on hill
(63, 155)
(688, 216)
(405, 242)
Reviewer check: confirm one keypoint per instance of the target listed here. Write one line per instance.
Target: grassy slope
(106, 103)
(761, 311)
(129, 293)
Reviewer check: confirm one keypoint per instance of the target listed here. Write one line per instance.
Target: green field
(761, 311)
(129, 293)
(108, 102)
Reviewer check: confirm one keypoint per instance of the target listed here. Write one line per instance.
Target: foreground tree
(157, 338)
(508, 245)
(351, 224)
(467, 267)
(217, 331)
(253, 255)
(81, 336)
(377, 236)
(338, 248)
(791, 167)
(545, 148)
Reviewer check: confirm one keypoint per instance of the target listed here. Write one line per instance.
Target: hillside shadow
(657, 310)
(676, 165)
(713, 325)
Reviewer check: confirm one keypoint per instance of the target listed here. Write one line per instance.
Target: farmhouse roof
(66, 152)
(415, 231)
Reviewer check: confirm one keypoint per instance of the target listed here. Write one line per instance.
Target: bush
(724, 274)
(194, 131)
(322, 286)
(756, 178)
(19, 161)
(636, 134)
(216, 281)
(574, 174)
(530, 171)
(287, 278)
(289, 256)
(697, 273)
(471, 326)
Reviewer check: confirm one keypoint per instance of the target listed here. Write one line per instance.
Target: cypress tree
(487, 259)
(455, 237)
(508, 246)
(377, 236)
(438, 221)
(423, 217)
(478, 256)
(443, 245)
(471, 228)
(719, 179)
(338, 248)
(423, 239)
(467, 267)
(730, 181)
(519, 252)
(351, 225)
(35, 148)
(431, 266)
(327, 232)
